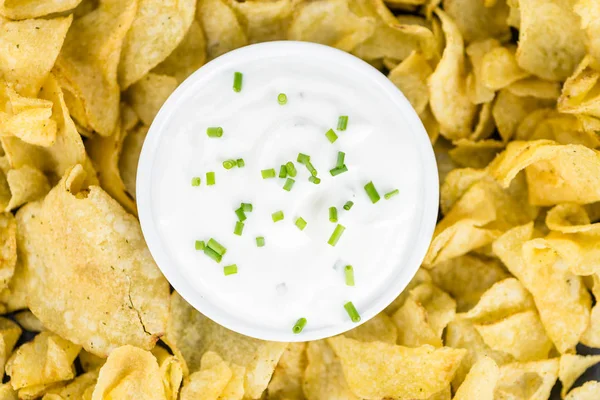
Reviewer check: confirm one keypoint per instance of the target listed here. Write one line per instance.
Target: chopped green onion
(291, 169)
(289, 184)
(247, 207)
(228, 164)
(330, 134)
(260, 241)
(240, 214)
(214, 131)
(239, 228)
(240, 163)
(299, 325)
(282, 98)
(268, 173)
(314, 179)
(213, 254)
(196, 181)
(310, 168)
(391, 194)
(351, 310)
(230, 269)
(372, 192)
(349, 273)
(300, 223)
(340, 159)
(283, 172)
(342, 123)
(303, 158)
(210, 178)
(277, 216)
(333, 214)
(348, 205)
(337, 233)
(200, 245)
(237, 82)
(338, 170)
(216, 247)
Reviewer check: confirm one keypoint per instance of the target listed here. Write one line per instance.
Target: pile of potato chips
(509, 92)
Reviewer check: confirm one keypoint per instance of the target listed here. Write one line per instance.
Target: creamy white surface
(297, 274)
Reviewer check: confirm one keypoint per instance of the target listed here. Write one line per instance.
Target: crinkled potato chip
(14, 297)
(591, 337)
(171, 371)
(456, 183)
(589, 13)
(509, 110)
(408, 372)
(148, 94)
(288, 376)
(90, 362)
(130, 155)
(475, 154)
(122, 291)
(421, 276)
(8, 248)
(499, 68)
(23, 9)
(75, 389)
(571, 367)
(24, 184)
(587, 391)
(379, 328)
(478, 92)
(264, 21)
(221, 28)
(410, 76)
(478, 22)
(28, 321)
(431, 125)
(7, 392)
(532, 380)
(580, 91)
(480, 382)
(414, 329)
(210, 381)
(535, 87)
(546, 123)
(9, 334)
(440, 307)
(129, 373)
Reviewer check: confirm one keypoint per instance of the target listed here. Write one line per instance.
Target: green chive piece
(330, 134)
(314, 179)
(260, 241)
(300, 223)
(230, 269)
(299, 326)
(340, 159)
(277, 216)
(240, 214)
(240, 163)
(237, 81)
(342, 123)
(291, 169)
(349, 274)
(268, 173)
(247, 207)
(210, 178)
(289, 184)
(337, 233)
(338, 170)
(200, 245)
(311, 169)
(239, 228)
(303, 158)
(214, 131)
(213, 254)
(283, 172)
(196, 181)
(333, 214)
(348, 205)
(228, 164)
(391, 194)
(282, 98)
(372, 192)
(351, 310)
(216, 247)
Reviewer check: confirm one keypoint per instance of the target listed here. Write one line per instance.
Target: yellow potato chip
(25, 184)
(288, 376)
(533, 380)
(47, 359)
(480, 382)
(74, 389)
(445, 165)
(414, 329)
(560, 297)
(407, 372)
(130, 155)
(148, 94)
(8, 248)
(571, 367)
(514, 14)
(28, 321)
(478, 92)
(587, 391)
(36, 391)
(456, 184)
(478, 22)
(171, 371)
(551, 54)
(580, 91)
(23, 9)
(7, 392)
(547, 123)
(589, 13)
(509, 110)
(264, 21)
(535, 87)
(14, 297)
(210, 381)
(194, 335)
(410, 76)
(221, 28)
(379, 328)
(129, 372)
(87, 65)
(499, 68)
(90, 362)
(9, 334)
(28, 50)
(431, 125)
(440, 307)
(475, 154)
(591, 337)
(234, 390)
(122, 291)
(447, 86)
(421, 276)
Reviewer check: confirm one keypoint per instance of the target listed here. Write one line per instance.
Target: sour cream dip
(288, 265)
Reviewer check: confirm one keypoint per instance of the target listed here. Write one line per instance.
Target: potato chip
(560, 297)
(8, 248)
(210, 381)
(431, 125)
(456, 184)
(480, 382)
(28, 51)
(148, 94)
(23, 9)
(551, 54)
(194, 335)
(478, 92)
(591, 337)
(571, 367)
(509, 110)
(514, 14)
(47, 359)
(87, 65)
(422, 275)
(533, 380)
(14, 297)
(7, 392)
(129, 373)
(410, 76)
(499, 68)
(535, 87)
(187, 57)
(379, 328)
(74, 389)
(264, 21)
(547, 123)
(221, 28)
(407, 372)
(447, 86)
(130, 155)
(9, 334)
(478, 22)
(555, 173)
(171, 371)
(28, 321)
(580, 91)
(122, 291)
(590, 15)
(234, 390)
(475, 154)
(24, 185)
(414, 329)
(89, 361)
(587, 391)
(289, 374)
